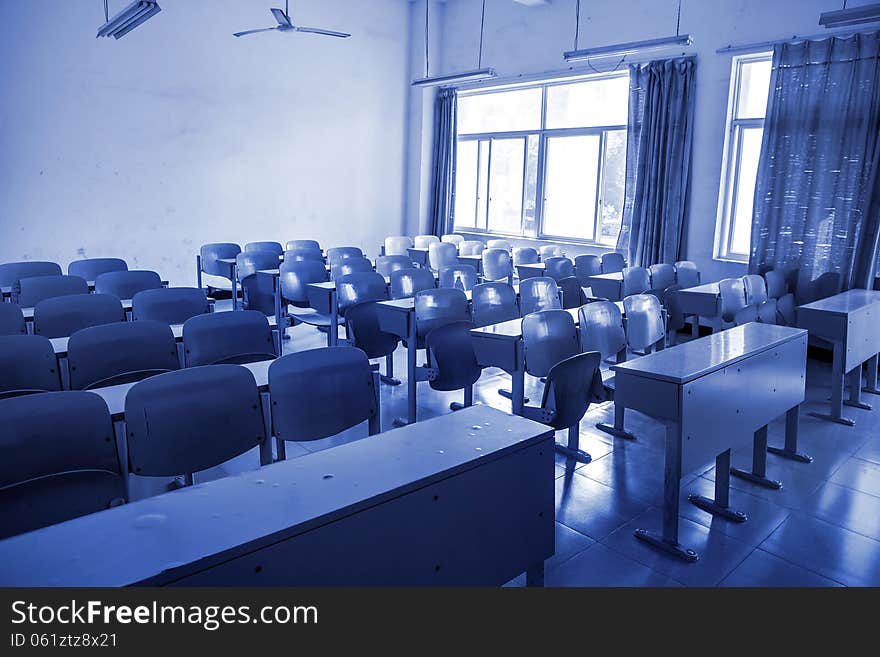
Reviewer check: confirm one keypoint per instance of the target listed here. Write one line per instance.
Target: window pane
(754, 86)
(531, 198)
(613, 181)
(744, 193)
(570, 186)
(506, 185)
(483, 185)
(504, 111)
(466, 184)
(588, 104)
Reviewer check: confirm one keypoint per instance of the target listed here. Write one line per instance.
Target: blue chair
(11, 319)
(249, 263)
(346, 266)
(59, 460)
(733, 301)
(294, 245)
(125, 284)
(27, 364)
(442, 254)
(662, 277)
(452, 239)
(233, 338)
(675, 317)
(338, 253)
(30, 291)
(294, 279)
(492, 303)
(645, 328)
(586, 266)
(363, 331)
(775, 284)
(686, 274)
(572, 293)
(760, 308)
(321, 392)
(62, 316)
(408, 282)
(292, 255)
(438, 307)
(208, 262)
(452, 355)
(462, 277)
(172, 305)
(182, 422)
(497, 265)
(471, 248)
(12, 272)
(548, 251)
(612, 262)
(525, 255)
(499, 244)
(273, 248)
(257, 290)
(358, 287)
(425, 241)
(389, 263)
(397, 245)
(636, 280)
(539, 293)
(113, 354)
(91, 268)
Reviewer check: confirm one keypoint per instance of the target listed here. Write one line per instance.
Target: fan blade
(315, 30)
(265, 29)
(281, 17)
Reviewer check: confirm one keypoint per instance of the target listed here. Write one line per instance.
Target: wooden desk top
(843, 303)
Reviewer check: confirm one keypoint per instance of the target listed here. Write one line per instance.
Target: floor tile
(568, 543)
(848, 508)
(591, 508)
(870, 451)
(860, 475)
(798, 483)
(601, 566)
(764, 569)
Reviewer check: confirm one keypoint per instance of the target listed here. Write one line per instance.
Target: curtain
(443, 184)
(817, 197)
(658, 161)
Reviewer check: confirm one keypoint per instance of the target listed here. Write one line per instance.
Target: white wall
(528, 40)
(180, 134)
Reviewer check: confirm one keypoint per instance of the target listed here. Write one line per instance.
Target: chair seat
(311, 317)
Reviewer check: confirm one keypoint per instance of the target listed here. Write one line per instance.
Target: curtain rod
(765, 45)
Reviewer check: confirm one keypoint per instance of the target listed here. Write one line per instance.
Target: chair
(586, 266)
(497, 265)
(91, 268)
(662, 276)
(463, 277)
(407, 282)
(319, 393)
(257, 291)
(299, 254)
(636, 280)
(498, 244)
(363, 331)
(11, 272)
(425, 241)
(452, 356)
(294, 279)
(235, 338)
(550, 251)
(558, 267)
(612, 262)
(249, 263)
(675, 318)
(209, 263)
(572, 293)
(452, 239)
(389, 263)
(125, 284)
(524, 255)
(775, 283)
(786, 310)
(358, 287)
(11, 319)
(492, 303)
(398, 245)
(733, 300)
(30, 291)
(172, 305)
(760, 307)
(471, 248)
(112, 354)
(438, 307)
(59, 460)
(645, 330)
(273, 248)
(338, 253)
(686, 274)
(442, 254)
(539, 293)
(296, 245)
(62, 316)
(27, 365)
(346, 266)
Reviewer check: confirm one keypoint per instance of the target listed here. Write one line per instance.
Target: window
(546, 160)
(749, 89)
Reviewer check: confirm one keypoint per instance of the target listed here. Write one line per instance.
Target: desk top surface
(704, 288)
(697, 358)
(844, 303)
(28, 311)
(611, 276)
(145, 539)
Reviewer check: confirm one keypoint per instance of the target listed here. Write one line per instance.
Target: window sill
(731, 260)
(537, 240)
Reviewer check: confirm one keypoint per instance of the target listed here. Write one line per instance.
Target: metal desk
(715, 394)
(701, 301)
(607, 286)
(849, 321)
(531, 270)
(475, 261)
(418, 256)
(441, 503)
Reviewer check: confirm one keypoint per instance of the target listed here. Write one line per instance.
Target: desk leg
(516, 394)
(855, 390)
(837, 382)
(235, 287)
(668, 542)
(198, 271)
(871, 379)
(411, 352)
(720, 506)
(791, 436)
(758, 475)
(266, 445)
(618, 430)
(695, 327)
(333, 335)
(535, 575)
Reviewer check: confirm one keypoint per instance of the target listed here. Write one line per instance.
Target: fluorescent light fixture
(632, 48)
(852, 16)
(129, 18)
(468, 76)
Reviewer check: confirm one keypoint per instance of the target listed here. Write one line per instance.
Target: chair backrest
(601, 329)
(549, 337)
(439, 307)
(586, 266)
(172, 305)
(550, 251)
(425, 241)
(389, 263)
(346, 266)
(674, 311)
(249, 263)
(452, 239)
(612, 262)
(295, 278)
(776, 285)
(397, 245)
(463, 277)
(407, 282)
(294, 255)
(359, 287)
(211, 254)
(471, 248)
(111, 354)
(636, 280)
(567, 391)
(59, 460)
(452, 353)
(296, 245)
(192, 419)
(11, 319)
(558, 267)
(62, 316)
(492, 303)
(498, 244)
(235, 337)
(786, 310)
(363, 330)
(273, 248)
(442, 254)
(733, 297)
(644, 321)
(30, 291)
(662, 276)
(337, 253)
(91, 268)
(125, 284)
(538, 293)
(755, 289)
(497, 264)
(572, 293)
(10, 272)
(27, 364)
(524, 255)
(686, 274)
(321, 392)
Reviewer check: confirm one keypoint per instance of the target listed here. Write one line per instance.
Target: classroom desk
(607, 286)
(531, 270)
(441, 503)
(700, 301)
(475, 261)
(418, 256)
(715, 394)
(849, 321)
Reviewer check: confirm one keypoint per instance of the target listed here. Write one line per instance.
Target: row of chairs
(124, 284)
(87, 268)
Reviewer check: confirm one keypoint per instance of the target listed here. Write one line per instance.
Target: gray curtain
(817, 200)
(658, 160)
(443, 182)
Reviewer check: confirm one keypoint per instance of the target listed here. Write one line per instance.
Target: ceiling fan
(287, 25)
